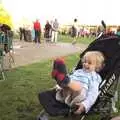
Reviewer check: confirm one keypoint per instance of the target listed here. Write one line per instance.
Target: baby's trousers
(71, 97)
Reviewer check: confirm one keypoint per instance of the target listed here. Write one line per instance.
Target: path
(27, 53)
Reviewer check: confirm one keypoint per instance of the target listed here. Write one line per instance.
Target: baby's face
(89, 64)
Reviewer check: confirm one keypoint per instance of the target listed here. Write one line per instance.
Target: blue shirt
(91, 81)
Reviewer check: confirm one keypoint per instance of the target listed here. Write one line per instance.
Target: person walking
(37, 28)
(75, 31)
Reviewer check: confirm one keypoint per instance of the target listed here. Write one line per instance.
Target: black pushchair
(105, 103)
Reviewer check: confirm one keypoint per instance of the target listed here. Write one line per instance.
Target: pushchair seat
(55, 108)
(51, 105)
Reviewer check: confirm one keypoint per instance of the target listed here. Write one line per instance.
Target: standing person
(24, 34)
(37, 28)
(82, 86)
(74, 31)
(55, 26)
(33, 34)
(47, 33)
(21, 33)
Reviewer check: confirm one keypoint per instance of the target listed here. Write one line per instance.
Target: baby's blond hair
(98, 57)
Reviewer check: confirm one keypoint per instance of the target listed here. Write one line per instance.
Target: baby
(75, 87)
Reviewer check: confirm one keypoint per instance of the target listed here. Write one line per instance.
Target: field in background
(64, 38)
(68, 38)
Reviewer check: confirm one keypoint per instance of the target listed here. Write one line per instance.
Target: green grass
(66, 38)
(18, 94)
(69, 39)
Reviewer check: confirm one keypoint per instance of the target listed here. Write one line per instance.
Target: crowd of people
(50, 32)
(76, 30)
(52, 28)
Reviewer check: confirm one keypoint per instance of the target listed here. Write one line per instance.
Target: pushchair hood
(110, 47)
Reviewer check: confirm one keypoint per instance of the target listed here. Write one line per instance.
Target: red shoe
(58, 68)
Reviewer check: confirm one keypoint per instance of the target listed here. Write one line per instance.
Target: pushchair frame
(105, 103)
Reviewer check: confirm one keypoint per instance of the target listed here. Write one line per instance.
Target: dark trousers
(21, 35)
(37, 36)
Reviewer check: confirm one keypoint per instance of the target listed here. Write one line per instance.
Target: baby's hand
(80, 109)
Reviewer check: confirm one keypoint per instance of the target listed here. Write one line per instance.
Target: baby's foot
(59, 69)
(59, 72)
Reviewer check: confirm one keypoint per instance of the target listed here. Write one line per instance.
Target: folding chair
(8, 47)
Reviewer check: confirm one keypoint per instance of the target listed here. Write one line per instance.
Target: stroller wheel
(42, 117)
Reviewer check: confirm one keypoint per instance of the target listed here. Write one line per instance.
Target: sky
(86, 11)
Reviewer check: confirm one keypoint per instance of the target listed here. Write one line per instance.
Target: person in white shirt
(55, 26)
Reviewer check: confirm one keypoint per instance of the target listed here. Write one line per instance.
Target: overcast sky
(86, 11)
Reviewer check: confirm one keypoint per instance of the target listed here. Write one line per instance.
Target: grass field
(68, 38)
(18, 94)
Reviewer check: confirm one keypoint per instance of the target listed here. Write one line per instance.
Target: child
(76, 87)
